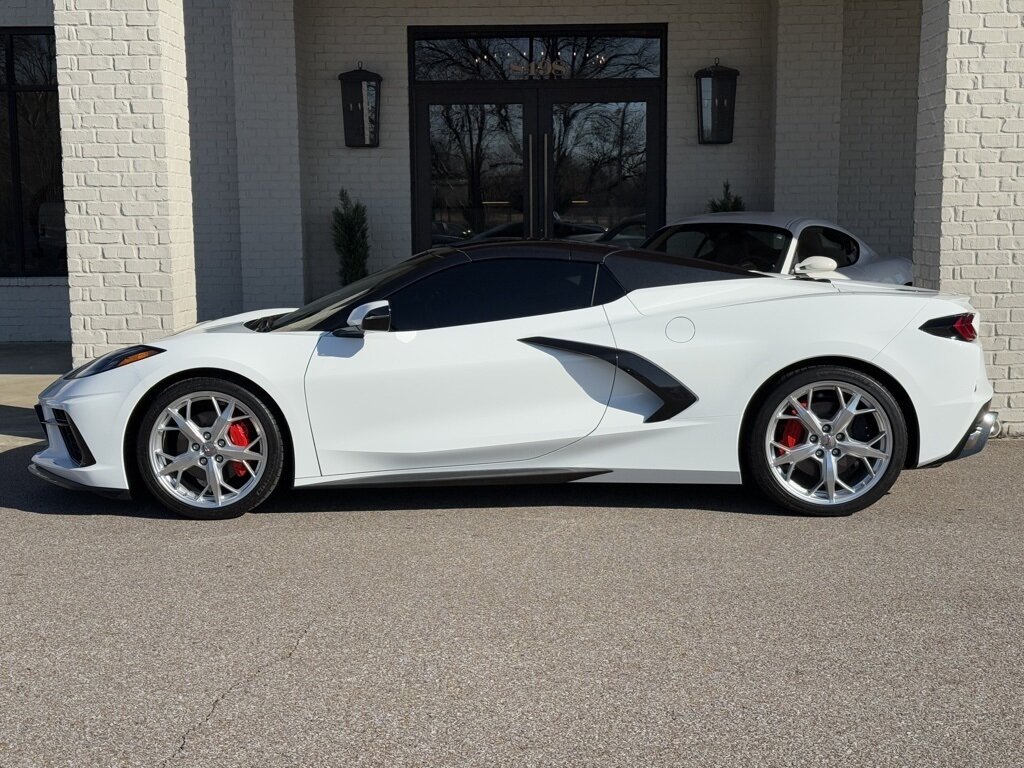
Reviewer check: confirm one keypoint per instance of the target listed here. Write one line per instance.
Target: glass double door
(537, 160)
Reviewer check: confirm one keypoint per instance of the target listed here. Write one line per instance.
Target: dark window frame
(9, 90)
(654, 89)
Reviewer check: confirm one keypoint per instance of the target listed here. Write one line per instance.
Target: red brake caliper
(792, 433)
(238, 435)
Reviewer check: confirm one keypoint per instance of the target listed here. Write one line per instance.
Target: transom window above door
(540, 56)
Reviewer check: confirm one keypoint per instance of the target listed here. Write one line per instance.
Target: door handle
(547, 178)
(531, 218)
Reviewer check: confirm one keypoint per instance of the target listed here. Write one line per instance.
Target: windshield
(310, 316)
(747, 246)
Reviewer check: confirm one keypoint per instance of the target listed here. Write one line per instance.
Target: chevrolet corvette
(536, 362)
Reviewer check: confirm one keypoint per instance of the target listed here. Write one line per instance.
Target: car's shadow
(22, 491)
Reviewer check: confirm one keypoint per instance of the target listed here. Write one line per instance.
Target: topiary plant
(351, 238)
(727, 202)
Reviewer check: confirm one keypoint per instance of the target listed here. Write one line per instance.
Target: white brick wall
(267, 140)
(808, 88)
(127, 186)
(970, 183)
(333, 36)
(879, 122)
(211, 98)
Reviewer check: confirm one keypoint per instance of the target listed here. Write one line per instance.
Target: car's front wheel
(209, 449)
(826, 440)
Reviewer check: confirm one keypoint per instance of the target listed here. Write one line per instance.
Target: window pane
(637, 271)
(42, 191)
(3, 60)
(495, 58)
(819, 241)
(35, 60)
(540, 57)
(746, 246)
(684, 243)
(600, 162)
(10, 259)
(476, 171)
(486, 291)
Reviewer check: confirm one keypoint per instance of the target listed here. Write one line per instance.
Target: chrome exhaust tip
(995, 428)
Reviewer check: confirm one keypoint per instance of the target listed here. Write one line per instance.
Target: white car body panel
(475, 401)
(470, 394)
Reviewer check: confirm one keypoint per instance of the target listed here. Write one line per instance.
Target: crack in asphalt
(238, 684)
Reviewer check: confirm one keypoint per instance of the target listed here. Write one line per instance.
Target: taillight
(953, 327)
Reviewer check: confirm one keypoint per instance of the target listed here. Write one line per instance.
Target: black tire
(753, 449)
(271, 433)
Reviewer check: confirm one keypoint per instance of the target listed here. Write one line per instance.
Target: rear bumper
(975, 439)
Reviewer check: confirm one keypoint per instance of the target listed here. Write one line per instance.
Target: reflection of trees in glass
(552, 57)
(476, 156)
(471, 58)
(591, 58)
(600, 155)
(41, 183)
(35, 60)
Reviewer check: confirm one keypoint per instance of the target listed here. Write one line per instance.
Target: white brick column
(808, 93)
(969, 209)
(267, 140)
(124, 134)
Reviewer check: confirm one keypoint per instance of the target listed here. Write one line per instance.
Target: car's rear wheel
(209, 449)
(826, 440)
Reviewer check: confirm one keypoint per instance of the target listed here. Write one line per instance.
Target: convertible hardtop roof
(569, 250)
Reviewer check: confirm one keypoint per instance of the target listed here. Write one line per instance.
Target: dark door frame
(536, 95)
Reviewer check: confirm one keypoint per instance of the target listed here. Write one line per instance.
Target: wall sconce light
(716, 103)
(360, 101)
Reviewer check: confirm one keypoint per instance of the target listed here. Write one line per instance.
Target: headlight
(116, 359)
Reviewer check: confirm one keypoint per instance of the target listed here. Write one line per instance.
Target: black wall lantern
(360, 101)
(716, 103)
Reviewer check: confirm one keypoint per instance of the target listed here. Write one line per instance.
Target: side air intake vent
(76, 447)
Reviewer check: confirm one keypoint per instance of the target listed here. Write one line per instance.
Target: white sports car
(778, 242)
(535, 362)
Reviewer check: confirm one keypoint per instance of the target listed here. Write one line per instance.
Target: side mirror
(373, 316)
(816, 264)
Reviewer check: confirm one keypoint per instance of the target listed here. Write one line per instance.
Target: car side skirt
(469, 476)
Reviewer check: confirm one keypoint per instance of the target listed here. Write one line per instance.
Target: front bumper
(976, 438)
(64, 482)
(83, 420)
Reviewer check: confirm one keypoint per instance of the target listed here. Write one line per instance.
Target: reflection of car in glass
(447, 232)
(777, 242)
(536, 361)
(629, 233)
(562, 230)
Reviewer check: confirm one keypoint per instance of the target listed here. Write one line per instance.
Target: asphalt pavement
(533, 626)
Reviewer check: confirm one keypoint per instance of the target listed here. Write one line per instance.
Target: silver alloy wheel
(828, 443)
(208, 449)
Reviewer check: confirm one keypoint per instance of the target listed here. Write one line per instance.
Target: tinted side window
(636, 271)
(485, 291)
(685, 242)
(822, 241)
(750, 246)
